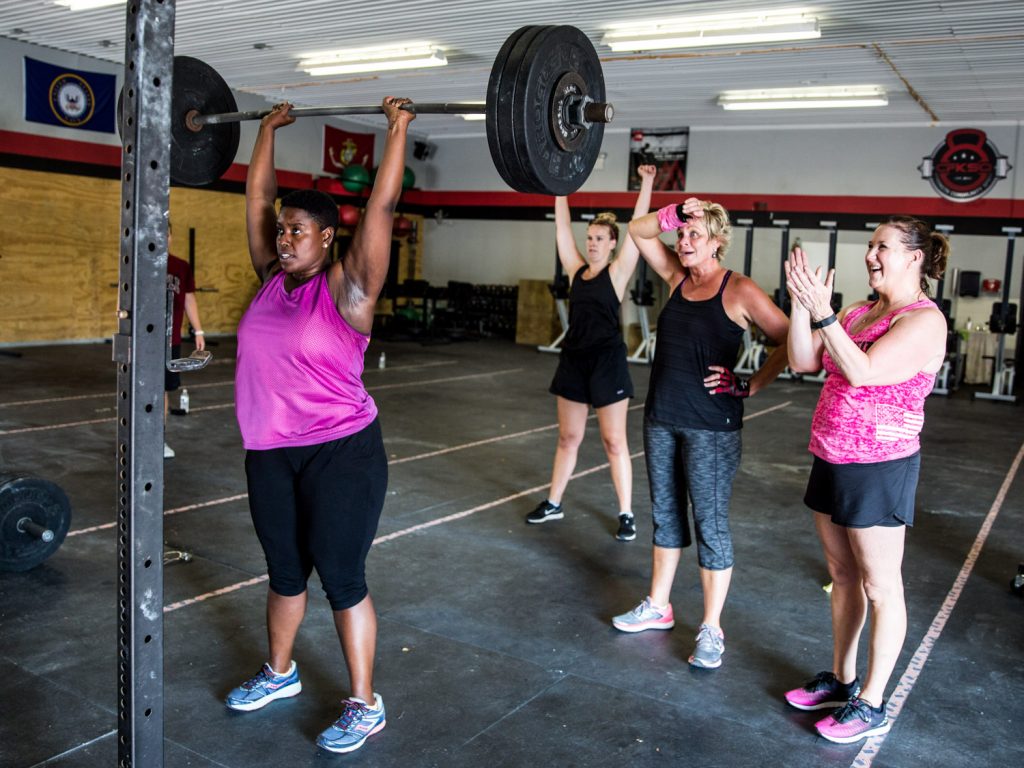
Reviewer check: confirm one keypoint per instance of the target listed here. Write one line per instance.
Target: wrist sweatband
(671, 217)
(817, 325)
(199, 333)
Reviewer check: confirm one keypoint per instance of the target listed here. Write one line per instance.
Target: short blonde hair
(716, 219)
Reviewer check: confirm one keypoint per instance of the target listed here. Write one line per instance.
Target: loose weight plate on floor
(39, 501)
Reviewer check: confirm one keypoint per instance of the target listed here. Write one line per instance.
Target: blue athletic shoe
(357, 722)
(264, 688)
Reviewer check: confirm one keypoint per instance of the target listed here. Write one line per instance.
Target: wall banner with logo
(342, 149)
(964, 166)
(665, 148)
(68, 97)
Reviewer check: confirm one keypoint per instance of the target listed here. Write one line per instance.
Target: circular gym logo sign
(965, 166)
(71, 100)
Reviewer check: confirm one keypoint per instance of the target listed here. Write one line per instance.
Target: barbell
(544, 108)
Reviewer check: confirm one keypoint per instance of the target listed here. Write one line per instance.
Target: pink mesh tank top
(298, 378)
(863, 425)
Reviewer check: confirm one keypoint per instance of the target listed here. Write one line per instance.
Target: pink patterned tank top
(298, 378)
(863, 425)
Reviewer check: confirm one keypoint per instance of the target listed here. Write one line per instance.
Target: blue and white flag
(69, 97)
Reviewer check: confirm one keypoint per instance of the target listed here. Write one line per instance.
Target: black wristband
(824, 322)
(683, 217)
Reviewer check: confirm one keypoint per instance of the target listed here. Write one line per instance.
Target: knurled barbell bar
(544, 107)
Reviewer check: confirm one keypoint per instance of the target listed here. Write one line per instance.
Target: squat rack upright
(139, 352)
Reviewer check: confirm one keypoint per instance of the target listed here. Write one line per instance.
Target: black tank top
(691, 336)
(593, 313)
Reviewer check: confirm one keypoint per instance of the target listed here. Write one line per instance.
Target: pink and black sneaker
(823, 692)
(854, 721)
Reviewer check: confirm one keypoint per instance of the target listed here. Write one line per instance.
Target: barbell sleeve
(32, 528)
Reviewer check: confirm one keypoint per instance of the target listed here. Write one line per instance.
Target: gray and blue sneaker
(358, 721)
(264, 688)
(710, 647)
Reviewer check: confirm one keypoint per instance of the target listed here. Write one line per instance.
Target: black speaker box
(970, 283)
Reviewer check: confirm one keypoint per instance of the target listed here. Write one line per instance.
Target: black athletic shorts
(863, 495)
(172, 379)
(595, 377)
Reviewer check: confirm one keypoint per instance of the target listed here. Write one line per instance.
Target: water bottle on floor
(183, 401)
(382, 363)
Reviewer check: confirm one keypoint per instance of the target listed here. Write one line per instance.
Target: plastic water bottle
(382, 363)
(183, 402)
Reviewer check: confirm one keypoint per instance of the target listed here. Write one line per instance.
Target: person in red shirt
(181, 282)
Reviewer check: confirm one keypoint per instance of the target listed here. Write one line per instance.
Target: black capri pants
(318, 506)
(701, 464)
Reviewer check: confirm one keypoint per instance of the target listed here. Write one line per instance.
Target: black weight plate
(493, 93)
(549, 168)
(45, 504)
(200, 157)
(523, 60)
(500, 111)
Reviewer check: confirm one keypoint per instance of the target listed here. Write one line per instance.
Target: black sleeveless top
(593, 313)
(691, 336)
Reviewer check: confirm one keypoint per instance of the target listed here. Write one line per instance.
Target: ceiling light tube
(730, 29)
(87, 5)
(344, 62)
(822, 97)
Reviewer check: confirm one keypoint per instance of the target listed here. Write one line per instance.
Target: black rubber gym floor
(495, 646)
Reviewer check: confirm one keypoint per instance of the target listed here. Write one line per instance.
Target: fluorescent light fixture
(87, 5)
(825, 97)
(721, 29)
(374, 59)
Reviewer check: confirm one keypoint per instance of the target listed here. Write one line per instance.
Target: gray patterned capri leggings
(701, 463)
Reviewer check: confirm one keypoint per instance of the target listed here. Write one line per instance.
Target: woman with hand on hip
(694, 411)
(881, 358)
(592, 367)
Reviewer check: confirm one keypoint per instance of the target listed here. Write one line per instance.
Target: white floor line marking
(215, 593)
(21, 430)
(66, 752)
(41, 401)
(431, 523)
(389, 386)
(392, 462)
(444, 381)
(869, 751)
(186, 508)
(209, 384)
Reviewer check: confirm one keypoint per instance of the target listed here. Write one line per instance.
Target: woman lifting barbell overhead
(694, 409)
(881, 358)
(592, 367)
(315, 461)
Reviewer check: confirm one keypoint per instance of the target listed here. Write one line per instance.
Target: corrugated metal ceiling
(964, 60)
